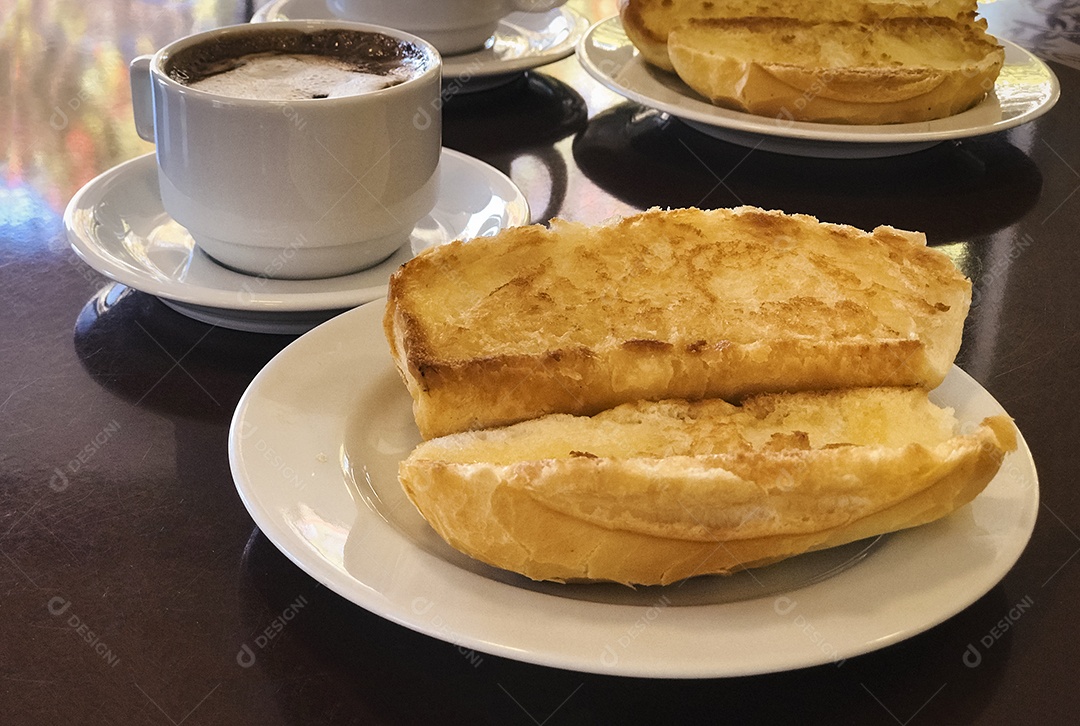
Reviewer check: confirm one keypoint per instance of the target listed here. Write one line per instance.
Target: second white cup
(452, 26)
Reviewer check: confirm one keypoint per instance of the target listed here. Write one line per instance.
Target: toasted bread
(667, 304)
(898, 70)
(648, 23)
(651, 493)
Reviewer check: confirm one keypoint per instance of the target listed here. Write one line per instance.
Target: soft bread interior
(648, 23)
(891, 418)
(738, 275)
(896, 43)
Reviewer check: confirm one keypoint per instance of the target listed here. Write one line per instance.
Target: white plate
(522, 41)
(117, 225)
(1025, 90)
(314, 447)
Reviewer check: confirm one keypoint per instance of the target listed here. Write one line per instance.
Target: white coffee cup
(452, 26)
(306, 188)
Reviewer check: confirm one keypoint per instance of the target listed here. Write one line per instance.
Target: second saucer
(522, 42)
(117, 225)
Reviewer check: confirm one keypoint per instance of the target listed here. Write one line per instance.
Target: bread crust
(538, 321)
(874, 90)
(656, 520)
(647, 35)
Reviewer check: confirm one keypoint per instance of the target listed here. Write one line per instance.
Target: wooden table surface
(131, 575)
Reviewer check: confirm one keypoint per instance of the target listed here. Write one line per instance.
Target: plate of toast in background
(314, 448)
(117, 224)
(1025, 89)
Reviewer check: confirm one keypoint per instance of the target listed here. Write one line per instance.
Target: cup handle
(536, 6)
(142, 101)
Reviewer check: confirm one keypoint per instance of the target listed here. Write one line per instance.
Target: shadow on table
(337, 662)
(951, 191)
(520, 119)
(146, 353)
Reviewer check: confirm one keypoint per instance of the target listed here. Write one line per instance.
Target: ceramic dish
(1025, 90)
(314, 448)
(117, 225)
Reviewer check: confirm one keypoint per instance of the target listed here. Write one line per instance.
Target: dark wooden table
(131, 575)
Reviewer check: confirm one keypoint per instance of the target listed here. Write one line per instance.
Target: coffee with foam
(279, 77)
(291, 66)
(305, 187)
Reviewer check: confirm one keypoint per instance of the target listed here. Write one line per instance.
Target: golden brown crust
(899, 70)
(650, 38)
(608, 514)
(874, 62)
(722, 304)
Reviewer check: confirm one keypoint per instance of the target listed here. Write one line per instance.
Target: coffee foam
(293, 77)
(338, 61)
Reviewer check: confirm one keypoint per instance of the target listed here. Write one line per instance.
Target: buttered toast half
(648, 23)
(899, 70)
(667, 304)
(650, 493)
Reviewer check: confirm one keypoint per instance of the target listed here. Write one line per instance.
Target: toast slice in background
(650, 493)
(648, 23)
(667, 304)
(898, 70)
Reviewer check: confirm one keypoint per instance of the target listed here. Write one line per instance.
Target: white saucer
(117, 225)
(1025, 90)
(334, 412)
(522, 41)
